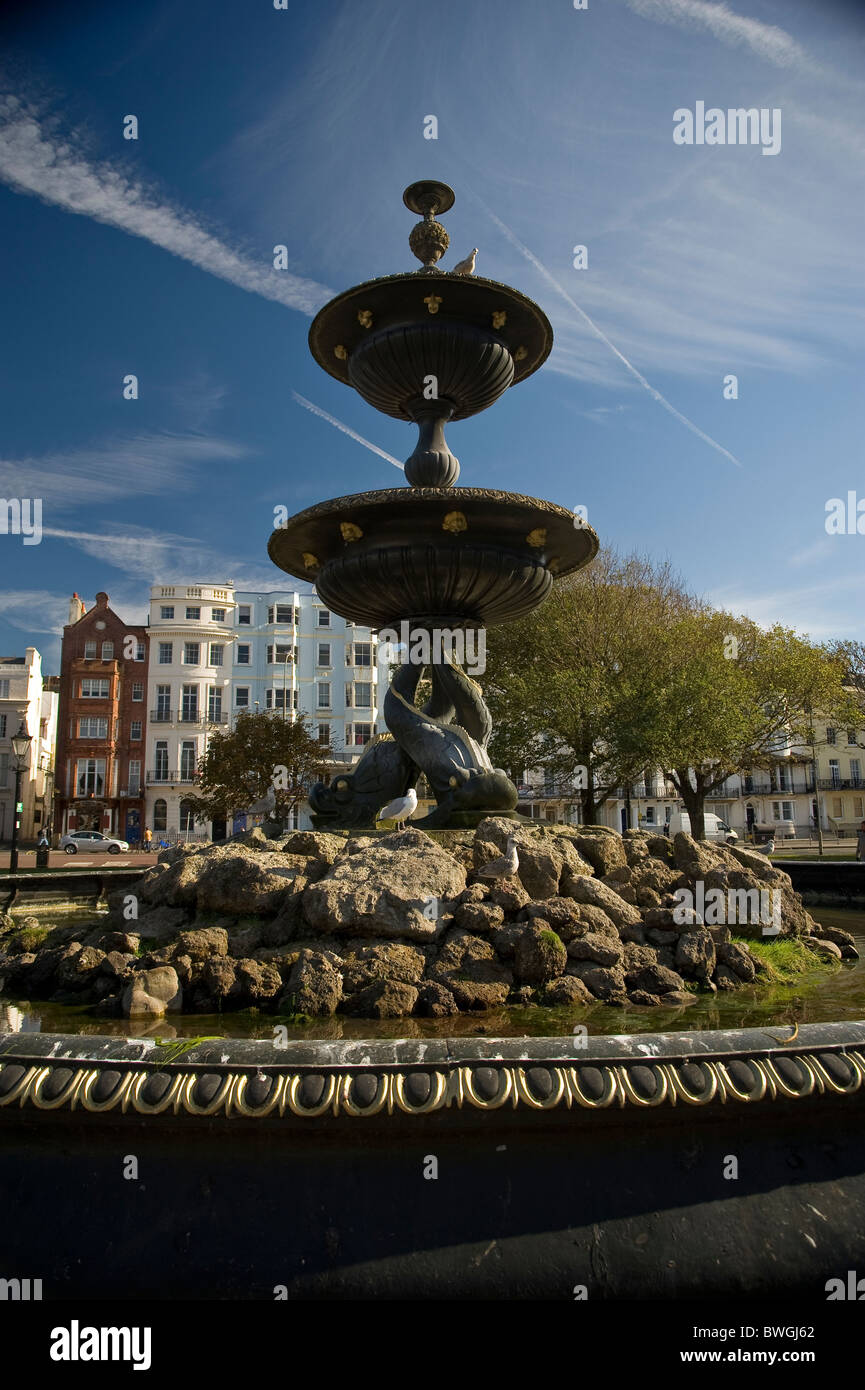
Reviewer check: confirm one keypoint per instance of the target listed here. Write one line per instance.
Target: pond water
(819, 996)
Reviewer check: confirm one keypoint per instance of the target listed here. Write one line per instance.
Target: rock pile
(386, 926)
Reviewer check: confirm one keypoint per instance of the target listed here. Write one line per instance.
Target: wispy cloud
(165, 557)
(764, 40)
(629, 367)
(147, 464)
(36, 159)
(338, 424)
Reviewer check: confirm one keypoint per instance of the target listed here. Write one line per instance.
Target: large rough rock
(314, 986)
(600, 847)
(603, 950)
(394, 961)
(544, 856)
(382, 999)
(695, 955)
(467, 966)
(605, 982)
(395, 889)
(152, 993)
(540, 954)
(596, 894)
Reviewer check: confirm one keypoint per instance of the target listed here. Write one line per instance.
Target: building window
(135, 730)
(166, 653)
(244, 614)
(836, 808)
(189, 704)
(140, 652)
(4, 690)
(134, 787)
(191, 653)
(216, 653)
(363, 695)
(214, 704)
(324, 734)
(2, 725)
(851, 735)
(193, 613)
(107, 651)
(281, 613)
(834, 773)
(855, 772)
(90, 776)
(89, 651)
(241, 697)
(138, 690)
(160, 761)
(857, 807)
(166, 611)
(323, 617)
(281, 699)
(94, 688)
(93, 726)
(831, 735)
(243, 650)
(187, 760)
(163, 704)
(160, 815)
(359, 654)
(323, 657)
(217, 615)
(281, 654)
(187, 817)
(362, 735)
(323, 696)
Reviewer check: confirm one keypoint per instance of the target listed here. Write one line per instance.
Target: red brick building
(102, 724)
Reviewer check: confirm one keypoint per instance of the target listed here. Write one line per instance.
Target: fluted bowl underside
(467, 366)
(451, 556)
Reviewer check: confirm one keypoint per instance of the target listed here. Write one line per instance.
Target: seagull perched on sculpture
(466, 267)
(400, 809)
(505, 866)
(768, 848)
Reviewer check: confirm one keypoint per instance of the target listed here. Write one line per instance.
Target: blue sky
(301, 127)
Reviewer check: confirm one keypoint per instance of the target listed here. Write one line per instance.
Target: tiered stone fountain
(430, 346)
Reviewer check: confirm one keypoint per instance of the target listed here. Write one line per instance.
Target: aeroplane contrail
(337, 424)
(647, 385)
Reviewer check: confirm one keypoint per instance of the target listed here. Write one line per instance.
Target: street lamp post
(20, 748)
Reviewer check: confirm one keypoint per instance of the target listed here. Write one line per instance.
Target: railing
(841, 784)
(201, 719)
(158, 778)
(161, 716)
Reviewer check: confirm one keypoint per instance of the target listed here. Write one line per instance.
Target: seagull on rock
(768, 848)
(466, 267)
(504, 867)
(400, 809)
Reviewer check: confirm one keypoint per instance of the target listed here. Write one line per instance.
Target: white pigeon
(504, 867)
(466, 267)
(400, 809)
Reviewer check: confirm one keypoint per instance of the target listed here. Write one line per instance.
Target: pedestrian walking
(860, 842)
(148, 837)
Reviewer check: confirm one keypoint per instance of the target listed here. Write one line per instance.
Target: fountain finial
(428, 239)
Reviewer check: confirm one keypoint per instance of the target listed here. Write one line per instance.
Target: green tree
(726, 696)
(265, 755)
(563, 684)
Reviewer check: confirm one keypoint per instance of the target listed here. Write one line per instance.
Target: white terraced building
(215, 650)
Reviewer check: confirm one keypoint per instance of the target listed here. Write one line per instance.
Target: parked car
(715, 828)
(92, 842)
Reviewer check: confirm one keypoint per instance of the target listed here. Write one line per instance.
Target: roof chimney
(76, 608)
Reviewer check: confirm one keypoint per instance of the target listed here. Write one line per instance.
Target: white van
(716, 829)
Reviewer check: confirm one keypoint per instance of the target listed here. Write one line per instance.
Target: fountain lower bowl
(453, 557)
